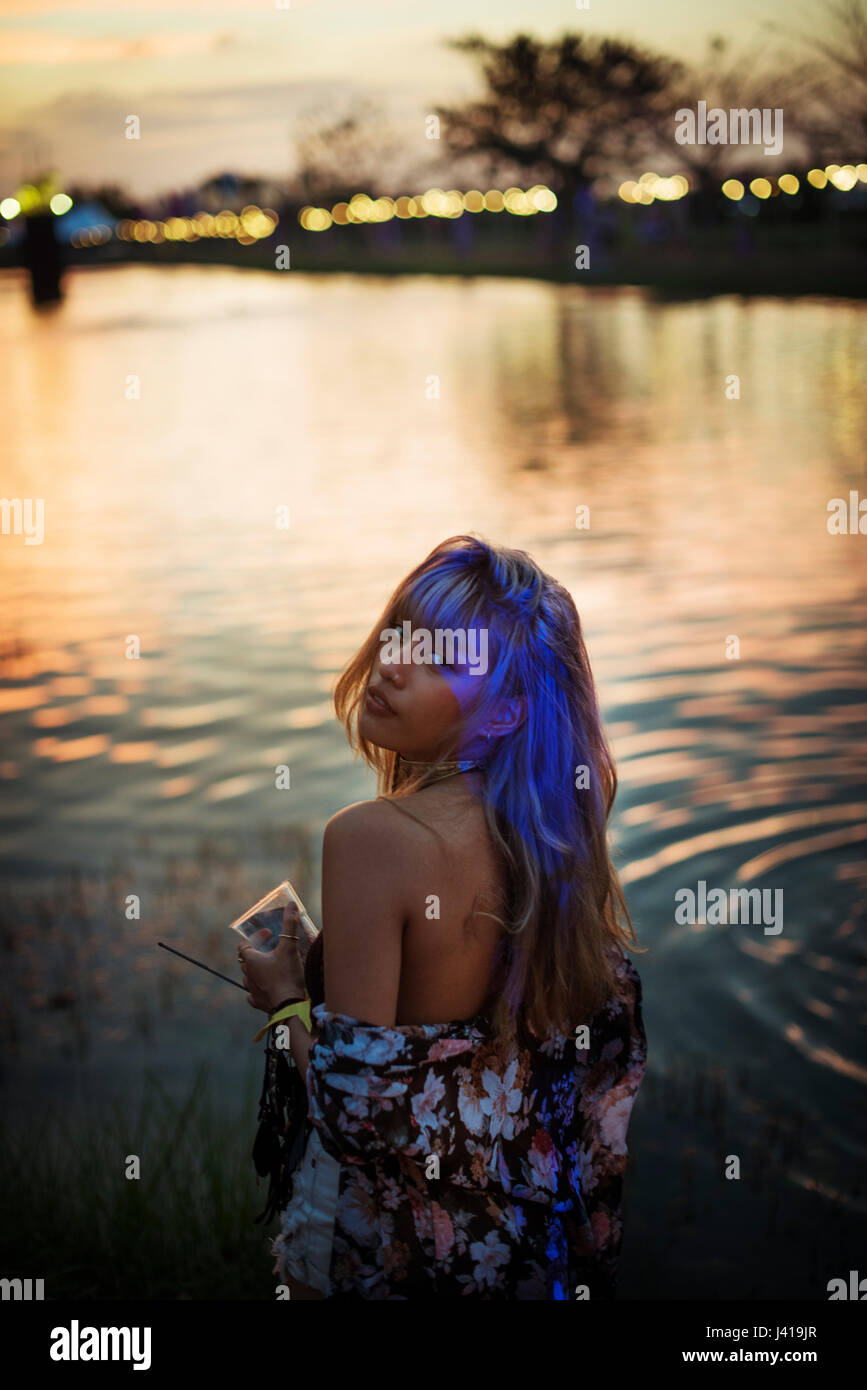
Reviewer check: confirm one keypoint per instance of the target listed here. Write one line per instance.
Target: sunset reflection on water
(388, 415)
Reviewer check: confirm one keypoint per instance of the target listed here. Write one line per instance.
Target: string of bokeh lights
(843, 177)
(254, 224)
(250, 225)
(435, 203)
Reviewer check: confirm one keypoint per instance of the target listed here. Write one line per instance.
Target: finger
(291, 925)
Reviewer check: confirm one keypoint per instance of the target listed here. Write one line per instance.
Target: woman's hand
(272, 976)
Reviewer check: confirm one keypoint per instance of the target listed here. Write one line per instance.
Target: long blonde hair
(563, 901)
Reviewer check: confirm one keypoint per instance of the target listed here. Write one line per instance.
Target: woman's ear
(510, 715)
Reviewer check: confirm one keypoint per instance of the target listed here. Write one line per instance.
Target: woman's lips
(376, 704)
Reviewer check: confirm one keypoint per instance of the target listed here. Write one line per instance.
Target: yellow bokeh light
(667, 190)
(861, 171)
(789, 183)
(682, 183)
(338, 214)
(760, 188)
(433, 201)
(474, 201)
(544, 199)
(403, 207)
(628, 190)
(256, 223)
(734, 189)
(516, 202)
(226, 223)
(648, 181)
(844, 179)
(29, 198)
(382, 210)
(817, 177)
(9, 208)
(494, 200)
(60, 203)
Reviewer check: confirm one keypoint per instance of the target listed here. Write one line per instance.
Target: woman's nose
(392, 671)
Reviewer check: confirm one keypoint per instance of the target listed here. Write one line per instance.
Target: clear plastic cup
(262, 923)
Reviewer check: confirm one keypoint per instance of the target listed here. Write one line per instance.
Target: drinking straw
(200, 965)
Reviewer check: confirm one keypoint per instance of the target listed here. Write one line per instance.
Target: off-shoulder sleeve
(541, 1129)
(374, 1090)
(608, 1081)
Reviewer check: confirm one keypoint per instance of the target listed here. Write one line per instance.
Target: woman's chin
(371, 731)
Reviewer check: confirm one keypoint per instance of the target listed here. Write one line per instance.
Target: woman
(480, 1045)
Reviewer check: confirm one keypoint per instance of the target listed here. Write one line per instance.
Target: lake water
(387, 414)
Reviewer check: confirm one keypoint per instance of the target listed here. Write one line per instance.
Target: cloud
(39, 46)
(188, 135)
(109, 8)
(185, 134)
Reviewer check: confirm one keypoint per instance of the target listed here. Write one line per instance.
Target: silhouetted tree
(833, 111)
(111, 196)
(730, 78)
(357, 153)
(563, 113)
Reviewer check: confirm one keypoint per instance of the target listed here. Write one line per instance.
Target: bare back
(449, 944)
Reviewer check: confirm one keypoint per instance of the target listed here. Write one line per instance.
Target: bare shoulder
(366, 827)
(390, 827)
(368, 862)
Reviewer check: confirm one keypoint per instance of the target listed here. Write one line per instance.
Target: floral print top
(473, 1169)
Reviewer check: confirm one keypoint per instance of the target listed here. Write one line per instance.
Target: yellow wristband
(300, 1010)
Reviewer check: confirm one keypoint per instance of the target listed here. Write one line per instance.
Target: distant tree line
(580, 110)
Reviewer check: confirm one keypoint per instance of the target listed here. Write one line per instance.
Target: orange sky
(228, 84)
